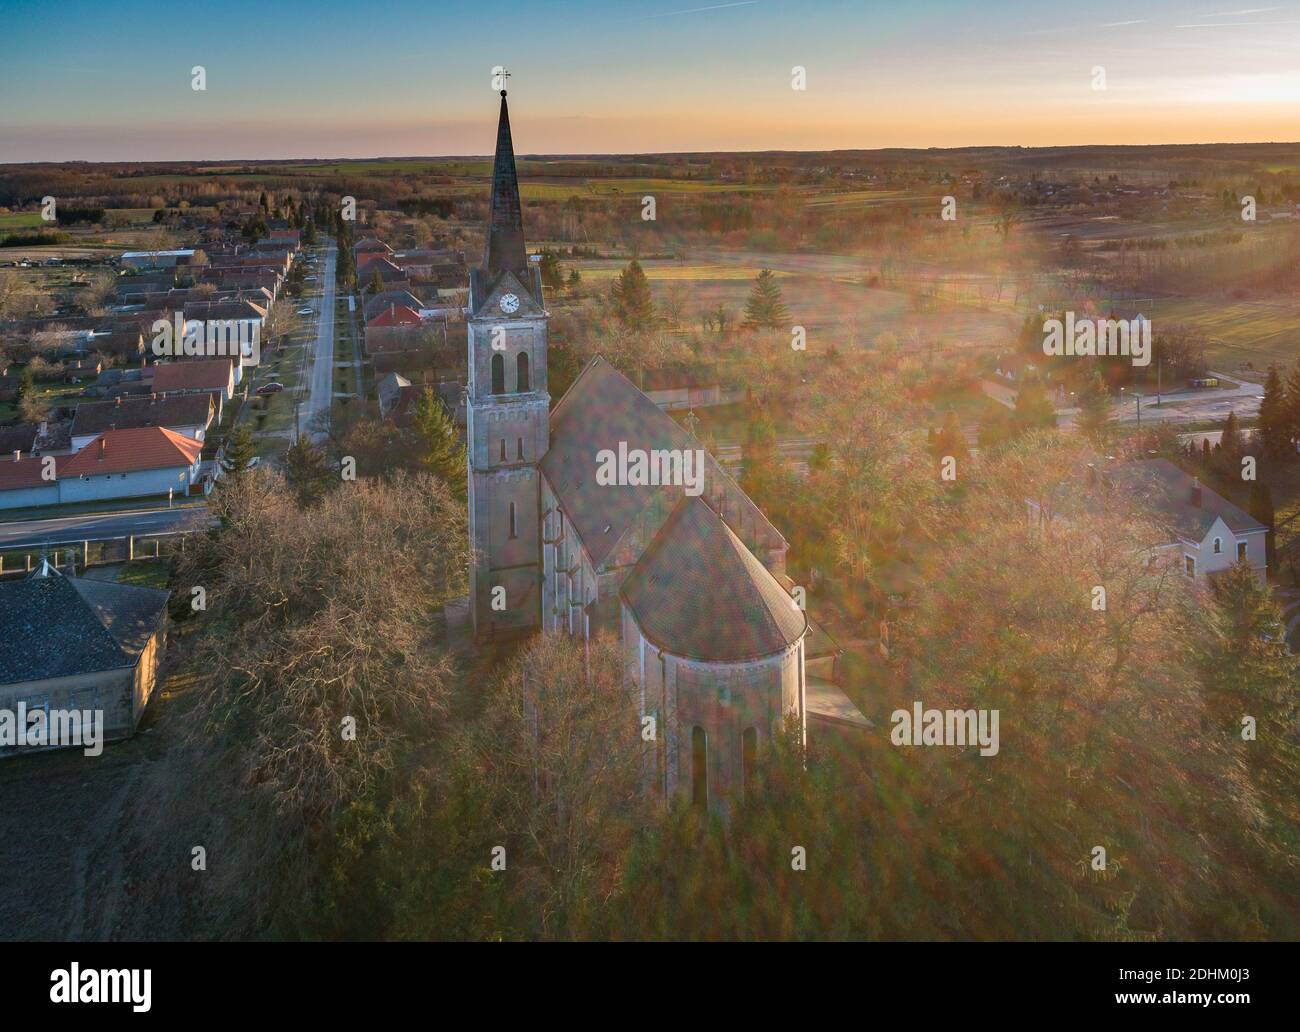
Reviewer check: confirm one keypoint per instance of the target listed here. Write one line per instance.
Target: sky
(112, 81)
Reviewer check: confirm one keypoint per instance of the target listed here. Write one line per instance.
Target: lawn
(1259, 332)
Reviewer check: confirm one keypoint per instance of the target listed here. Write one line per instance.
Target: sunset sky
(111, 82)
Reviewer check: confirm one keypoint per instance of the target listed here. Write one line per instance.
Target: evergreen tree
(575, 281)
(1291, 405)
(765, 308)
(441, 451)
(376, 284)
(950, 440)
(1261, 507)
(307, 469)
(633, 303)
(1231, 442)
(1095, 410)
(1248, 670)
(237, 456)
(1033, 406)
(1275, 435)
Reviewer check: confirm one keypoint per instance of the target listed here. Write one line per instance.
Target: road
(68, 529)
(1181, 405)
(320, 381)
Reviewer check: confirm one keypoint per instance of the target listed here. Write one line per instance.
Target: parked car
(304, 311)
(274, 387)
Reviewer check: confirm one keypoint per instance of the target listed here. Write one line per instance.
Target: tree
(441, 450)
(1291, 406)
(951, 441)
(1231, 442)
(1095, 410)
(633, 303)
(575, 281)
(1261, 507)
(552, 274)
(1247, 668)
(1033, 406)
(307, 471)
(765, 308)
(1275, 435)
(237, 455)
(376, 284)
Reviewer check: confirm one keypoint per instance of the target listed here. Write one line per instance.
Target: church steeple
(505, 249)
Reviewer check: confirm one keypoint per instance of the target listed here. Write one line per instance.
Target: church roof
(601, 409)
(504, 249)
(696, 568)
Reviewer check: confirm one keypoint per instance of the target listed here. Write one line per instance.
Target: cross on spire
(505, 74)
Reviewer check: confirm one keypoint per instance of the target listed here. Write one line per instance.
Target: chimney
(117, 402)
(18, 454)
(102, 446)
(1196, 491)
(44, 427)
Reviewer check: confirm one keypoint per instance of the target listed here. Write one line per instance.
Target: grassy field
(1260, 332)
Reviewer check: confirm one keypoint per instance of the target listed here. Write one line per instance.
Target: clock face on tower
(509, 303)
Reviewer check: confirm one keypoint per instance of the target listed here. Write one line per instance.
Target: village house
(187, 414)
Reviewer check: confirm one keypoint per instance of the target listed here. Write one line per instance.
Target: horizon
(590, 78)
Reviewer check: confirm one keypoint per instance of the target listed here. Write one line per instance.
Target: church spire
(505, 230)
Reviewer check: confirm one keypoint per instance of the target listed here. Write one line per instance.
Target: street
(68, 529)
(320, 381)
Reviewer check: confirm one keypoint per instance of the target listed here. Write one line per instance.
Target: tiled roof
(123, 451)
(73, 626)
(169, 410)
(699, 592)
(601, 409)
(26, 472)
(200, 374)
(1168, 490)
(395, 315)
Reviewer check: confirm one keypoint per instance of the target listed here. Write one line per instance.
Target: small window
(1241, 550)
(519, 448)
(1218, 546)
(514, 526)
(503, 449)
(1189, 565)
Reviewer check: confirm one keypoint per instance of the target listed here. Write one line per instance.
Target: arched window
(521, 368)
(699, 768)
(503, 449)
(519, 448)
(498, 374)
(514, 523)
(1218, 545)
(748, 754)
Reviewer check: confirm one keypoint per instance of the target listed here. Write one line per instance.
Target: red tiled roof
(26, 472)
(396, 315)
(202, 374)
(122, 451)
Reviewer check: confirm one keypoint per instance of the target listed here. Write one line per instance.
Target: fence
(87, 552)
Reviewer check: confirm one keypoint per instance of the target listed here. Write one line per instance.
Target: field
(1259, 332)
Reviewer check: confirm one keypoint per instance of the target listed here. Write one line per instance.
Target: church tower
(507, 413)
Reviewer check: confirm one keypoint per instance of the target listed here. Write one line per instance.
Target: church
(690, 577)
